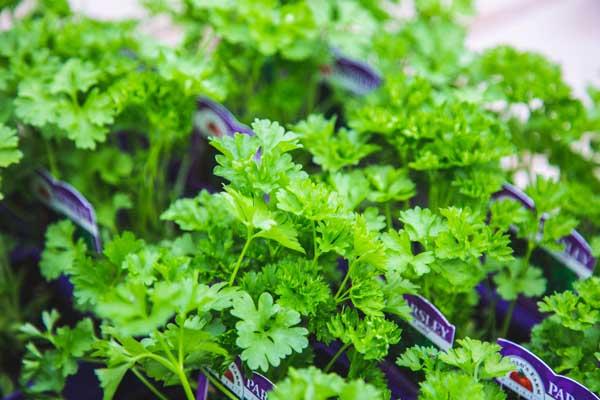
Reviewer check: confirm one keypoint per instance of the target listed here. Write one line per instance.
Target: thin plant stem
(182, 175)
(167, 351)
(426, 290)
(388, 215)
(249, 238)
(180, 346)
(178, 369)
(186, 385)
(511, 307)
(161, 360)
(315, 248)
(312, 96)
(91, 360)
(345, 296)
(149, 385)
(336, 356)
(344, 282)
(52, 159)
(507, 318)
(476, 372)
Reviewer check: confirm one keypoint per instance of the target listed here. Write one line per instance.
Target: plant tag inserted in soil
(352, 75)
(577, 254)
(430, 322)
(509, 191)
(213, 119)
(66, 200)
(532, 379)
(254, 387)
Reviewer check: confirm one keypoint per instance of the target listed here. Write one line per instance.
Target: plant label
(253, 387)
(509, 191)
(532, 379)
(430, 322)
(213, 119)
(577, 255)
(202, 389)
(66, 200)
(352, 75)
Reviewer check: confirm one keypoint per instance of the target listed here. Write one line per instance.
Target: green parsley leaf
(518, 277)
(371, 336)
(266, 332)
(312, 383)
(61, 251)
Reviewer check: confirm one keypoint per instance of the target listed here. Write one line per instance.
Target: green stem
(507, 318)
(249, 238)
(161, 360)
(10, 283)
(218, 385)
(491, 320)
(182, 175)
(530, 247)
(177, 368)
(336, 356)
(426, 290)
(186, 384)
(250, 88)
(312, 96)
(511, 308)
(149, 190)
(91, 360)
(167, 351)
(344, 296)
(433, 192)
(388, 215)
(162, 199)
(476, 372)
(315, 248)
(52, 159)
(344, 282)
(149, 385)
(180, 346)
(74, 99)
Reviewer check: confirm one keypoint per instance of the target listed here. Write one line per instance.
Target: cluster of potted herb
(302, 200)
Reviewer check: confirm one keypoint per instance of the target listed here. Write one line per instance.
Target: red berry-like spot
(521, 379)
(229, 375)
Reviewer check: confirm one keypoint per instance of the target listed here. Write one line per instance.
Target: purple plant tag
(213, 119)
(66, 200)
(18, 395)
(509, 191)
(532, 379)
(254, 387)
(353, 75)
(430, 322)
(202, 390)
(577, 255)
